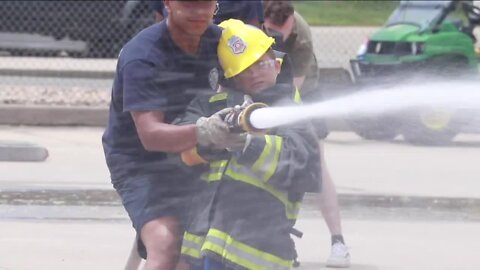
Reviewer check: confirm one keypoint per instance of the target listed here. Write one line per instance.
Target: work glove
(211, 128)
(214, 132)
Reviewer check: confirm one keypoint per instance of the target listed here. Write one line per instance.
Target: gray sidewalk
(374, 244)
(403, 207)
(365, 172)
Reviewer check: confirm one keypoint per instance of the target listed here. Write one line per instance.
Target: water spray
(449, 96)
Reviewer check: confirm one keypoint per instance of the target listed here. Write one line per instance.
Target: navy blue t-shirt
(244, 10)
(153, 74)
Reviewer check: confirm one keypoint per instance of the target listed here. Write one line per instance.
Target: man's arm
(147, 100)
(156, 135)
(201, 107)
(302, 59)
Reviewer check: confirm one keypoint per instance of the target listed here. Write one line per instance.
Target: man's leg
(157, 210)
(161, 238)
(328, 202)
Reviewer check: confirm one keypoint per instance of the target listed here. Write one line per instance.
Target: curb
(71, 74)
(46, 115)
(22, 151)
(95, 197)
(36, 115)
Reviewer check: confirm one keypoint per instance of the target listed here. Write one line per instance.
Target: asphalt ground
(402, 206)
(383, 173)
(375, 244)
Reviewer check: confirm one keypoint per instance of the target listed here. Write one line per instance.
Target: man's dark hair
(278, 11)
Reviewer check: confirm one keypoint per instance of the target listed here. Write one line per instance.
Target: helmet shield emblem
(237, 45)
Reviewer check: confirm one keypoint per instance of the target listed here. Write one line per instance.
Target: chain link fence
(70, 28)
(63, 52)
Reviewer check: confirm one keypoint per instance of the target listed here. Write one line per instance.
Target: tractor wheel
(374, 129)
(429, 128)
(435, 127)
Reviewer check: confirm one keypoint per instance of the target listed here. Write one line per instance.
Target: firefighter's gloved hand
(236, 141)
(213, 130)
(223, 138)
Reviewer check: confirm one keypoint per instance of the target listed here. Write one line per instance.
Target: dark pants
(148, 197)
(209, 264)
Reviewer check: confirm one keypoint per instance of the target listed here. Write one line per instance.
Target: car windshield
(420, 13)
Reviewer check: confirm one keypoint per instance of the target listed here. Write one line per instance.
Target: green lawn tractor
(426, 39)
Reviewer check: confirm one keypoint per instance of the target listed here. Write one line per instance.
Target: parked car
(103, 26)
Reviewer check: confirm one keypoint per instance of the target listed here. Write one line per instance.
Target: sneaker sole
(338, 264)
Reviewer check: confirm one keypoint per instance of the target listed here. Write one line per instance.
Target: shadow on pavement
(400, 141)
(316, 266)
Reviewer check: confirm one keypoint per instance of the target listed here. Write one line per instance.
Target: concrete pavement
(382, 171)
(374, 244)
(75, 159)
(403, 206)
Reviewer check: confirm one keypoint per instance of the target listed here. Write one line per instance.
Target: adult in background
(295, 37)
(158, 73)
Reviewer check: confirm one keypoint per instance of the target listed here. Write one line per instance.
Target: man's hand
(214, 132)
(209, 129)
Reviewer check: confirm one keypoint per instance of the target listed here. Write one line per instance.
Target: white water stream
(449, 96)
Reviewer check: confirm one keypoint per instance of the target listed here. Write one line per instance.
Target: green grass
(346, 12)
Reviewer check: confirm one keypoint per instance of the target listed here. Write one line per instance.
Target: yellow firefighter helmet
(240, 46)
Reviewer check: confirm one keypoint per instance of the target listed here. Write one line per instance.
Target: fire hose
(239, 119)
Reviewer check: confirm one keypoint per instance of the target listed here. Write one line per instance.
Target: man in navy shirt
(249, 11)
(158, 73)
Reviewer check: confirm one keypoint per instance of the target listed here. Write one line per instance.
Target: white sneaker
(339, 256)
